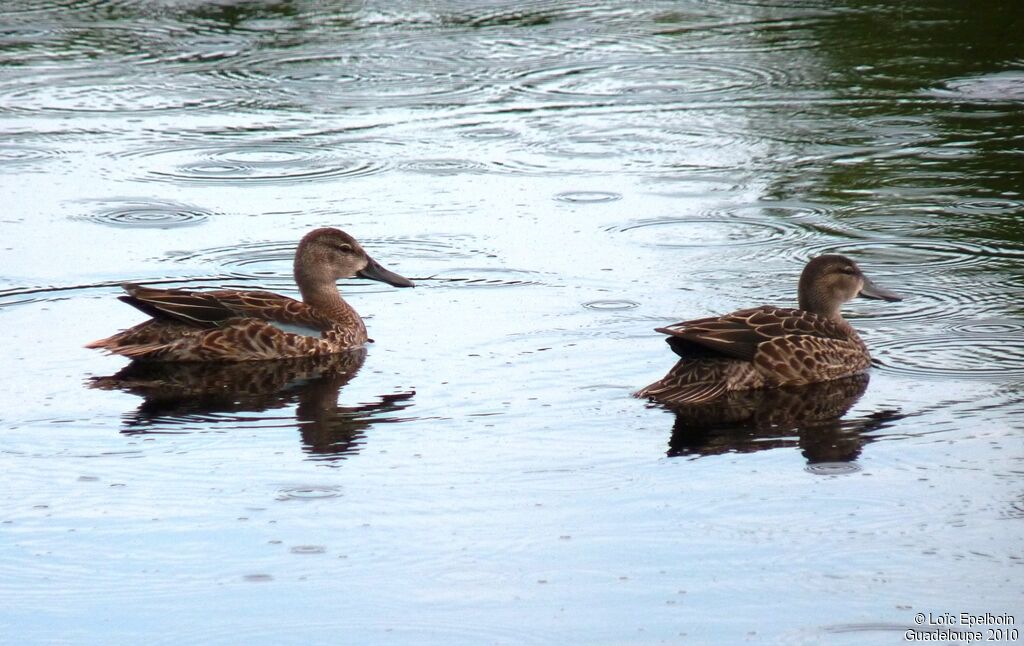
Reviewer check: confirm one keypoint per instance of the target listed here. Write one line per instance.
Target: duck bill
(374, 271)
(871, 290)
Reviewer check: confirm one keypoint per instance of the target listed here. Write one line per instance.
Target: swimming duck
(767, 347)
(234, 325)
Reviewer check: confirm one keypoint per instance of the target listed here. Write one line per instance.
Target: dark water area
(558, 180)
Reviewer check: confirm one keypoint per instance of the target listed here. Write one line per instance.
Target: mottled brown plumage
(767, 347)
(233, 325)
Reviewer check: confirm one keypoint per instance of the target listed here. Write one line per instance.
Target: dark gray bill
(374, 271)
(871, 290)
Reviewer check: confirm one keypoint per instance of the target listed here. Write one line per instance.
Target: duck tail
(139, 350)
(114, 345)
(670, 391)
(101, 344)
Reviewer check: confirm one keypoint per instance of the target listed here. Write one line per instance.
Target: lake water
(559, 180)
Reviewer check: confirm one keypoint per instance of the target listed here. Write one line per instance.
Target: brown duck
(768, 347)
(234, 325)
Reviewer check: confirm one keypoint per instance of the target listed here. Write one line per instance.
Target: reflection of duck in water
(176, 390)
(234, 325)
(770, 347)
(810, 416)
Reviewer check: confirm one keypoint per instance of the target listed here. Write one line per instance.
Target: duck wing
(740, 334)
(275, 309)
(798, 359)
(214, 308)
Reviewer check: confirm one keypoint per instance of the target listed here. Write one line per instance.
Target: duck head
(830, 280)
(327, 255)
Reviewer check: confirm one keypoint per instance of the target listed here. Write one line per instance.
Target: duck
(231, 325)
(771, 347)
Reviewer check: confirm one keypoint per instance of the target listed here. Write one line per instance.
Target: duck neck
(320, 293)
(825, 307)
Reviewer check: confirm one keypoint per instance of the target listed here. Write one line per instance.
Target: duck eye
(344, 248)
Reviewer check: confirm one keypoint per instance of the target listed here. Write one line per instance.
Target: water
(559, 180)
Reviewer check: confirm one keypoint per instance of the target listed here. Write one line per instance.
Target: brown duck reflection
(810, 417)
(172, 391)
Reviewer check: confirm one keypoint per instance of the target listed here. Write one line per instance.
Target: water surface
(559, 180)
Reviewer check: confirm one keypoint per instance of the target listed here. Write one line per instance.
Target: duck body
(237, 325)
(761, 347)
(227, 325)
(771, 347)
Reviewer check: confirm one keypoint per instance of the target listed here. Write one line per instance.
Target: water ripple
(308, 492)
(261, 259)
(988, 206)
(278, 163)
(373, 77)
(486, 132)
(272, 254)
(805, 211)
(995, 327)
(366, 629)
(270, 263)
(645, 81)
(777, 34)
(476, 277)
(19, 155)
(82, 93)
(532, 14)
(771, 4)
(957, 355)
(926, 303)
(141, 213)
(701, 233)
(443, 166)
(308, 549)
(48, 6)
(588, 197)
(703, 142)
(920, 217)
(609, 304)
(832, 468)
(912, 253)
(1001, 86)
(930, 217)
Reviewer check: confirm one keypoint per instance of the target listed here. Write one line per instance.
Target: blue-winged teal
(766, 347)
(233, 325)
